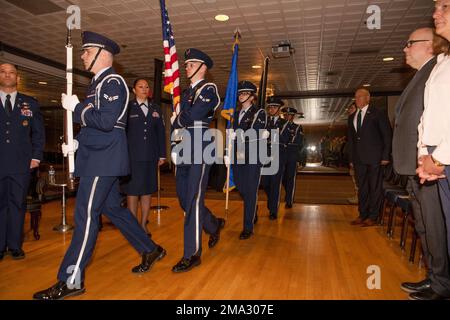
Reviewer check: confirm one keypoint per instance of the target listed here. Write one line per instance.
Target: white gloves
(265, 134)
(226, 160)
(173, 156)
(66, 148)
(173, 117)
(69, 102)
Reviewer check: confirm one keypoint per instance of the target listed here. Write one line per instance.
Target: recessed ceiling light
(256, 67)
(388, 59)
(222, 17)
(42, 82)
(366, 85)
(56, 101)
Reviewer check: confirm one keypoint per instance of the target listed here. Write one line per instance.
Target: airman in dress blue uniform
(272, 183)
(21, 149)
(102, 157)
(147, 149)
(198, 104)
(293, 147)
(247, 171)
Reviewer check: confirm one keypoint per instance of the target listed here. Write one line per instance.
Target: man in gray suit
(429, 219)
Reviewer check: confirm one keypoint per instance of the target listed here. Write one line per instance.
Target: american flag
(171, 70)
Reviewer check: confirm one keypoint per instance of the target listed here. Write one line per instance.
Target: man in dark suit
(21, 149)
(369, 138)
(427, 210)
(102, 157)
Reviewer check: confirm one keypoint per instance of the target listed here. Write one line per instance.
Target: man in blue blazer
(102, 157)
(22, 140)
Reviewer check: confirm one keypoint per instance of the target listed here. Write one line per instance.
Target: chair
(34, 201)
(404, 203)
(393, 187)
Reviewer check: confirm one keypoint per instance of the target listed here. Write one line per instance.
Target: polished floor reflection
(310, 252)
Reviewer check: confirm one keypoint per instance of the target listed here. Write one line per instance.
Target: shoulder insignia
(110, 98)
(204, 99)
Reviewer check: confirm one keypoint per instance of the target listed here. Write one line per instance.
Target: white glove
(265, 134)
(173, 117)
(173, 156)
(233, 135)
(69, 102)
(226, 160)
(66, 148)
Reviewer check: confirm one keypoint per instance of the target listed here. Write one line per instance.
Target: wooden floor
(311, 252)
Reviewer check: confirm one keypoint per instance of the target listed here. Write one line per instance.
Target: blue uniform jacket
(22, 136)
(103, 148)
(253, 118)
(146, 134)
(295, 143)
(283, 134)
(197, 109)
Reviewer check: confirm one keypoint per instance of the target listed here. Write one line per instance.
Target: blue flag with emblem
(229, 104)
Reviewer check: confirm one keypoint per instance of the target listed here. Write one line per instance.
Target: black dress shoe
(187, 264)
(59, 291)
(18, 254)
(411, 287)
(288, 205)
(215, 237)
(2, 254)
(245, 235)
(272, 217)
(149, 259)
(427, 294)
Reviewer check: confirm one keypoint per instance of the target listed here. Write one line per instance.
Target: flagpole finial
(237, 34)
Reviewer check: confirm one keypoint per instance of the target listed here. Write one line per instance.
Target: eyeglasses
(409, 43)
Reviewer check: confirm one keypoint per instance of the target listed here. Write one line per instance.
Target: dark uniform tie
(146, 108)
(8, 105)
(358, 121)
(241, 116)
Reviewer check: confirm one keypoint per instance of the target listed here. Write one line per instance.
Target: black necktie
(8, 105)
(241, 115)
(358, 121)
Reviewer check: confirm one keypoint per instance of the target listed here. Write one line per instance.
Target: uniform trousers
(95, 196)
(191, 184)
(13, 193)
(247, 178)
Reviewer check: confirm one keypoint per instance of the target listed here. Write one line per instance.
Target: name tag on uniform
(134, 116)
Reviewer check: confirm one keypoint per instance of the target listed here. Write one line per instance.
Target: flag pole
(237, 36)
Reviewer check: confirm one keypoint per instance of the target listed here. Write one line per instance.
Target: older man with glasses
(428, 216)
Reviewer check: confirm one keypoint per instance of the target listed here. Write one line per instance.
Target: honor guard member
(21, 149)
(147, 149)
(247, 171)
(102, 157)
(293, 147)
(272, 183)
(198, 104)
